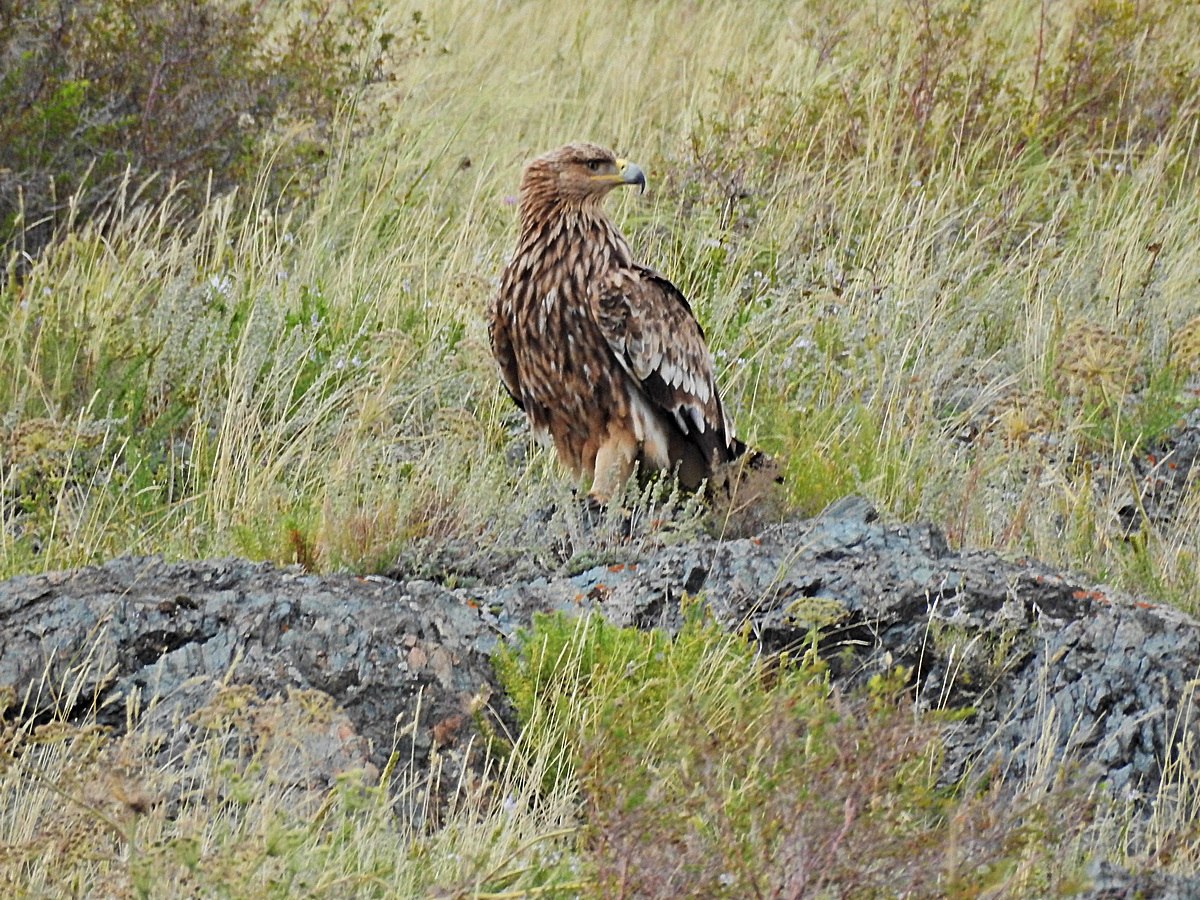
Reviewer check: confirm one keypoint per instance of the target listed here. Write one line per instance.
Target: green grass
(754, 778)
(645, 766)
(899, 225)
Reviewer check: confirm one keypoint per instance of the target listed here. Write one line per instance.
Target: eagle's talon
(594, 511)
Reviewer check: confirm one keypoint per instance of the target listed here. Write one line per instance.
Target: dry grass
(886, 258)
(943, 253)
(231, 815)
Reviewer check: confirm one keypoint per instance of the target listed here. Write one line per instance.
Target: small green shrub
(706, 770)
(1098, 81)
(101, 95)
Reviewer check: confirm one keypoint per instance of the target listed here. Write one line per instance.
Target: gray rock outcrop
(1045, 661)
(1049, 666)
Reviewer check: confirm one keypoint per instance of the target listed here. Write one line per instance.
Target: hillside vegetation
(943, 253)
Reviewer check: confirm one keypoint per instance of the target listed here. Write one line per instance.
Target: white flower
(220, 284)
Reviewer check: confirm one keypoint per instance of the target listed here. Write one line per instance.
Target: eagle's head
(576, 174)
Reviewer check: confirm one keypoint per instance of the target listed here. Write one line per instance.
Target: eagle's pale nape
(602, 353)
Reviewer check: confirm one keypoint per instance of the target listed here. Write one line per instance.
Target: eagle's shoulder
(647, 286)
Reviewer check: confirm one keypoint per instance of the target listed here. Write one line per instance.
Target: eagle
(601, 352)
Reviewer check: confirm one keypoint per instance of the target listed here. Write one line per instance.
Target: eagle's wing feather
(502, 349)
(655, 337)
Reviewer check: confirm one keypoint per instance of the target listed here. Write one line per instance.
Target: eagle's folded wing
(653, 334)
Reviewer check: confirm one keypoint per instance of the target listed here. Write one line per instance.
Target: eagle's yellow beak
(631, 173)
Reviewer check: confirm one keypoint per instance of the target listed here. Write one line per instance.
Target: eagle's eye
(594, 164)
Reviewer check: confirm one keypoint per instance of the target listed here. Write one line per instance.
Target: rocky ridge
(1043, 661)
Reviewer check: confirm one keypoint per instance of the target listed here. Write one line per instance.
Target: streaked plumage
(601, 352)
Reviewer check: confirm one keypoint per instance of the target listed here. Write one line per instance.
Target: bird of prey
(601, 352)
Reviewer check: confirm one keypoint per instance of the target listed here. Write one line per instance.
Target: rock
(1111, 882)
(1048, 664)
(1050, 667)
(1163, 475)
(394, 662)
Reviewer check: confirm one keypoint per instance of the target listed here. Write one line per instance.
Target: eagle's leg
(614, 465)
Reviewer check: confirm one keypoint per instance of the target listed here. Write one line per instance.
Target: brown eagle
(601, 352)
